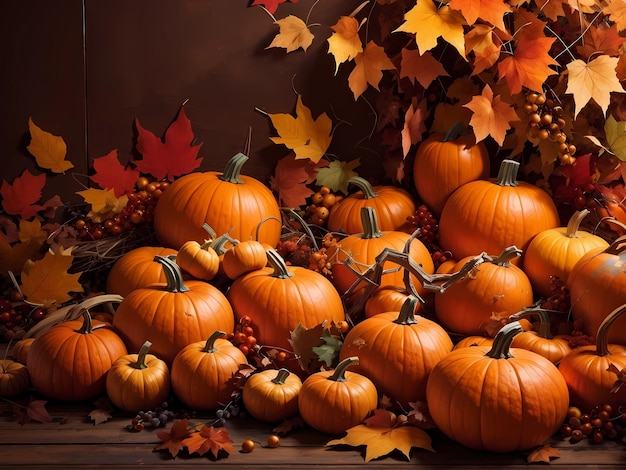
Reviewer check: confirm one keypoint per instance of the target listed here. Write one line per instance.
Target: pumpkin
(467, 307)
(199, 259)
(488, 216)
(554, 252)
(387, 299)
(443, 163)
(70, 361)
(332, 401)
(173, 315)
(229, 202)
(14, 378)
(279, 297)
(138, 381)
(497, 398)
(474, 340)
(243, 257)
(541, 341)
(272, 395)
(202, 372)
(597, 285)
(135, 269)
(397, 351)
(21, 348)
(589, 371)
(392, 205)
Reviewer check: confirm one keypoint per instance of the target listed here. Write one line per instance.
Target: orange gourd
(199, 259)
(387, 299)
(14, 378)
(474, 340)
(272, 395)
(243, 257)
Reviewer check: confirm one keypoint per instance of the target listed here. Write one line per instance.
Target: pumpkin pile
(472, 337)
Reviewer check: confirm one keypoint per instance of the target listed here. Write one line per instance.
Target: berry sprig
(243, 336)
(321, 202)
(151, 419)
(424, 219)
(17, 316)
(600, 424)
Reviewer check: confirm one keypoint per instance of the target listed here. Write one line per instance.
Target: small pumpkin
(14, 378)
(332, 401)
(199, 259)
(243, 257)
(474, 340)
(21, 348)
(272, 395)
(138, 381)
(497, 398)
(387, 299)
(202, 372)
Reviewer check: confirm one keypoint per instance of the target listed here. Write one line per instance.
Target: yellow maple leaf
(492, 11)
(595, 79)
(307, 137)
(47, 282)
(430, 23)
(491, 116)
(369, 68)
(293, 34)
(31, 231)
(616, 12)
(49, 150)
(13, 257)
(103, 202)
(344, 44)
(616, 137)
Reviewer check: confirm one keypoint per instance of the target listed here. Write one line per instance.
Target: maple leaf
(615, 132)
(491, 116)
(47, 282)
(290, 180)
(32, 232)
(293, 34)
(99, 416)
(605, 40)
(308, 138)
(172, 156)
(337, 174)
(414, 126)
(303, 340)
(13, 257)
(479, 40)
(111, 174)
(36, 410)
(173, 440)
(19, 198)
(329, 350)
(616, 12)
(368, 69)
(388, 105)
(209, 439)
(429, 23)
(270, 5)
(543, 454)
(595, 79)
(423, 68)
(49, 150)
(492, 11)
(344, 43)
(288, 425)
(103, 203)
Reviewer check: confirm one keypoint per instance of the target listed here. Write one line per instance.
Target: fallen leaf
(368, 69)
(111, 174)
(344, 43)
(293, 34)
(209, 439)
(19, 198)
(99, 416)
(288, 425)
(36, 410)
(621, 377)
(616, 12)
(104, 203)
(543, 454)
(49, 150)
(172, 440)
(600, 39)
(337, 174)
(491, 116)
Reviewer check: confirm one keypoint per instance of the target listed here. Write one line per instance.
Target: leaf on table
(368, 69)
(419, 415)
(209, 439)
(595, 80)
(47, 282)
(329, 350)
(429, 22)
(291, 177)
(172, 156)
(307, 137)
(270, 5)
(337, 174)
(172, 440)
(36, 410)
(19, 198)
(104, 203)
(344, 43)
(289, 425)
(111, 174)
(492, 11)
(414, 126)
(423, 68)
(616, 12)
(99, 416)
(543, 454)
(303, 340)
(491, 116)
(49, 150)
(293, 34)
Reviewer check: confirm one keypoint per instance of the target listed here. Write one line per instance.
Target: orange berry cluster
(321, 202)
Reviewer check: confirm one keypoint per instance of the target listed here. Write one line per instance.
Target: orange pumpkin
(387, 299)
(229, 202)
(553, 348)
(474, 340)
(272, 395)
(14, 378)
(199, 259)
(21, 348)
(243, 257)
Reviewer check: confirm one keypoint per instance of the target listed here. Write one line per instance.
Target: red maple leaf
(172, 156)
(270, 5)
(20, 197)
(291, 177)
(111, 174)
(210, 439)
(172, 440)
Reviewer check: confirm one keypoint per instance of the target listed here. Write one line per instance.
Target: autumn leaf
(491, 116)
(543, 454)
(47, 282)
(329, 350)
(173, 440)
(19, 198)
(593, 80)
(423, 68)
(14, 256)
(49, 150)
(605, 40)
(30, 231)
(99, 416)
(288, 425)
(270, 5)
(303, 340)
(209, 439)
(615, 132)
(308, 138)
(344, 43)
(492, 11)
(103, 203)
(616, 12)
(173, 156)
(111, 174)
(621, 377)
(337, 174)
(36, 411)
(290, 180)
(479, 40)
(414, 126)
(368, 69)
(293, 34)
(429, 23)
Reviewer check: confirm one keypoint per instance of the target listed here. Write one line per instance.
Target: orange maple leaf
(600, 40)
(414, 126)
(616, 12)
(47, 281)
(491, 116)
(209, 439)
(543, 454)
(19, 198)
(369, 68)
(344, 44)
(290, 179)
(492, 11)
(172, 440)
(293, 34)
(49, 150)
(479, 40)
(421, 67)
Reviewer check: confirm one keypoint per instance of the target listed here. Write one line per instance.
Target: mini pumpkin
(243, 257)
(14, 378)
(272, 395)
(199, 259)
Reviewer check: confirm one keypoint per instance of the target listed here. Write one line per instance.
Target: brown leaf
(172, 440)
(543, 454)
(99, 416)
(288, 425)
(209, 439)
(36, 411)
(303, 340)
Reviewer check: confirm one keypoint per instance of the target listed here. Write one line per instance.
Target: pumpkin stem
(502, 341)
(219, 244)
(207, 242)
(544, 320)
(617, 247)
(340, 371)
(507, 174)
(140, 363)
(370, 223)
(173, 274)
(232, 171)
(574, 223)
(86, 327)
(281, 376)
(509, 253)
(278, 264)
(406, 315)
(456, 130)
(602, 340)
(209, 346)
(365, 187)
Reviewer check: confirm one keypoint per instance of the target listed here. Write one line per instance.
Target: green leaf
(337, 174)
(328, 351)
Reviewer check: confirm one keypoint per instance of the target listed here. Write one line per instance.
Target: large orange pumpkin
(229, 202)
(492, 215)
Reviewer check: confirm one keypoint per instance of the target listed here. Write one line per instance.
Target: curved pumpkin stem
(278, 264)
(219, 244)
(232, 171)
(456, 130)
(140, 363)
(340, 371)
(406, 315)
(173, 274)
(509, 253)
(602, 340)
(370, 223)
(502, 341)
(87, 327)
(507, 174)
(208, 229)
(281, 376)
(364, 185)
(573, 224)
(544, 320)
(209, 346)
(617, 247)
